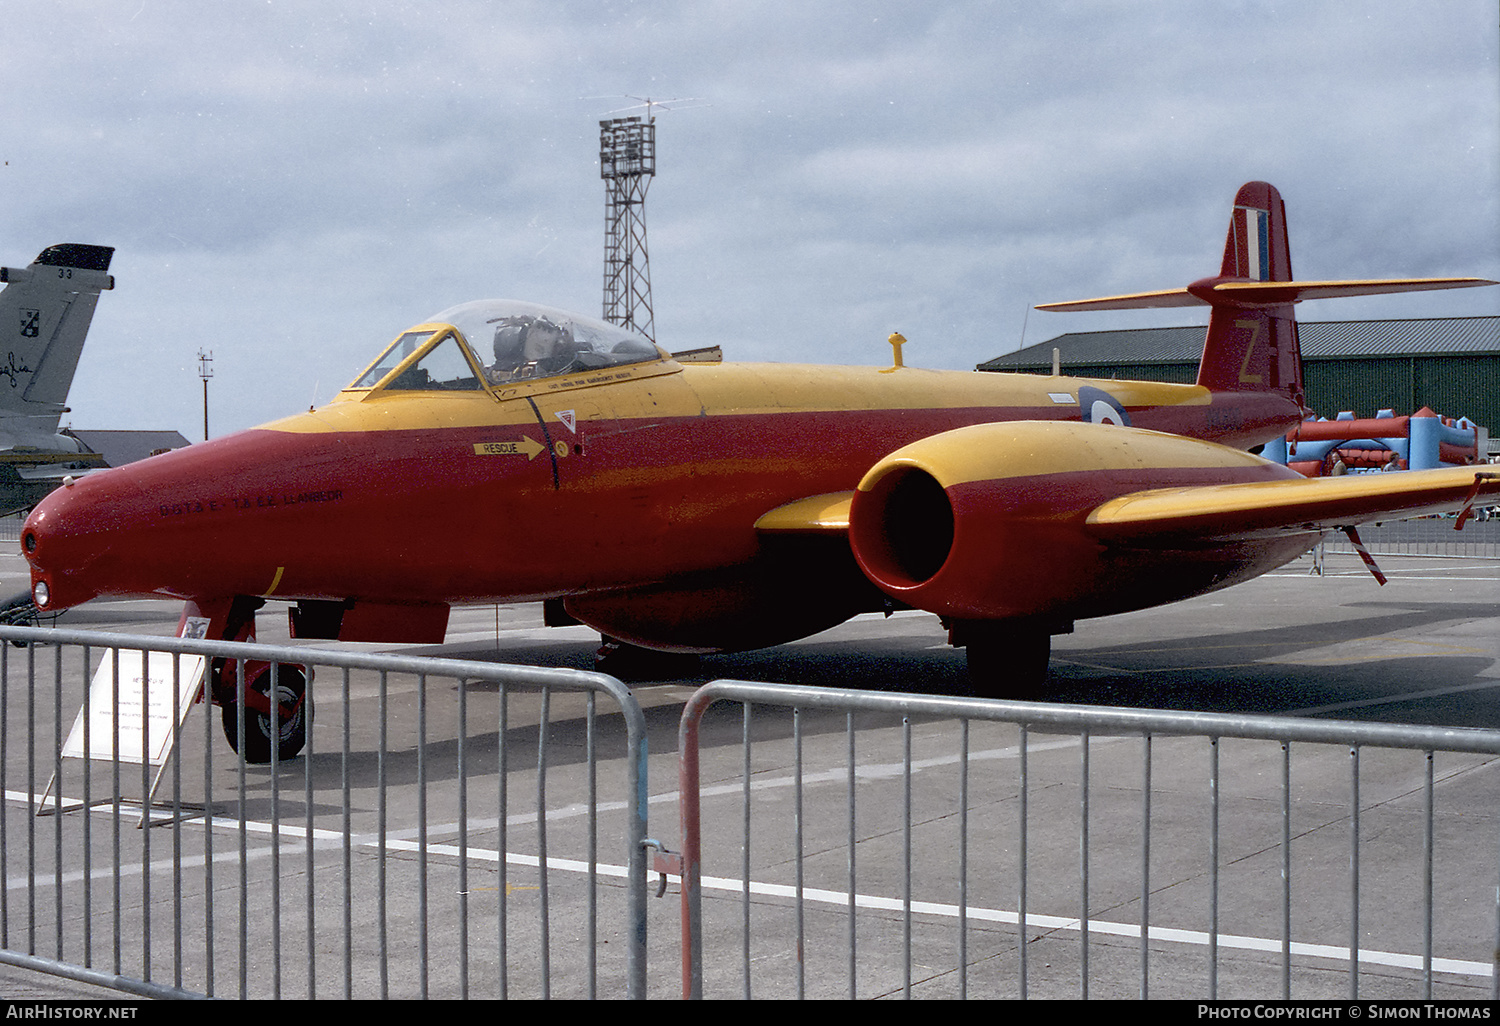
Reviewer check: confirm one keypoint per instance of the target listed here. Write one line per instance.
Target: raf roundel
(1099, 407)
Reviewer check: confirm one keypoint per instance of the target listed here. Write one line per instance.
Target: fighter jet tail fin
(45, 312)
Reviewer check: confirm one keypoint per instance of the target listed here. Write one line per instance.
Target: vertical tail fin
(45, 312)
(1252, 344)
(1256, 247)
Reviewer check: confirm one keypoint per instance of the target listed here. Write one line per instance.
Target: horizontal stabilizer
(1227, 512)
(1279, 293)
(1263, 293)
(1133, 301)
(62, 471)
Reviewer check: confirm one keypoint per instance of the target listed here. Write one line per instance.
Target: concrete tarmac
(1424, 649)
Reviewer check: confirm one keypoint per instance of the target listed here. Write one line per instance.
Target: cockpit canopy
(499, 341)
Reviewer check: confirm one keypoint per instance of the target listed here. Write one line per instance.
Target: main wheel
(294, 713)
(631, 663)
(1008, 662)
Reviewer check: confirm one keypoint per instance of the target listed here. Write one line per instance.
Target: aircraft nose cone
(72, 539)
(214, 519)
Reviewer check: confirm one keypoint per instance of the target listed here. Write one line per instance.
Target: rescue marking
(569, 418)
(275, 580)
(525, 446)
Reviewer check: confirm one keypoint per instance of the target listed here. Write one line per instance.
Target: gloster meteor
(501, 452)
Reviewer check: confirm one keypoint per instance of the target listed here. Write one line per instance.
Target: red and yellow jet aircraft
(506, 452)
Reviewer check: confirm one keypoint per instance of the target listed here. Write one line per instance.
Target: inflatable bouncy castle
(1422, 441)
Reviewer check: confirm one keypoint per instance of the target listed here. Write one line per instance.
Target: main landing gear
(627, 662)
(1007, 658)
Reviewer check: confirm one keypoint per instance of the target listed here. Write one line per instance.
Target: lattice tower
(627, 163)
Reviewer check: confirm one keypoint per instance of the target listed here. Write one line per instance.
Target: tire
(292, 688)
(1008, 662)
(633, 664)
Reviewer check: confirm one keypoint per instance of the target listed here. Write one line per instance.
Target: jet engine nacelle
(990, 522)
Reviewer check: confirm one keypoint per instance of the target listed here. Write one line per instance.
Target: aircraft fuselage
(544, 489)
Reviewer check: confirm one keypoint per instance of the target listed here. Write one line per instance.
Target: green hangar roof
(1440, 336)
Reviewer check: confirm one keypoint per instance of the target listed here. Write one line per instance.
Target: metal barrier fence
(927, 880)
(1426, 536)
(440, 835)
(379, 863)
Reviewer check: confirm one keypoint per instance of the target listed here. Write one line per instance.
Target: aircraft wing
(1222, 512)
(1247, 510)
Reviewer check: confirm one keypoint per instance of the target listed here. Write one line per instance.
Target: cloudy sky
(288, 183)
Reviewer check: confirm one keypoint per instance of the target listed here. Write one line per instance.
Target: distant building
(121, 447)
(1450, 364)
(22, 487)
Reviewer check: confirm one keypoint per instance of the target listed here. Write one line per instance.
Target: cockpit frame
(536, 349)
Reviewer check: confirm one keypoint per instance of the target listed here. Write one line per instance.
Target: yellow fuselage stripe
(730, 390)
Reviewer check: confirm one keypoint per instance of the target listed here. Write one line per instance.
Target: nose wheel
(286, 720)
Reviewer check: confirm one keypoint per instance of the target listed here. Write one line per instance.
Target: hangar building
(1449, 364)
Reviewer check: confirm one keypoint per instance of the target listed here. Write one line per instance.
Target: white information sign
(145, 707)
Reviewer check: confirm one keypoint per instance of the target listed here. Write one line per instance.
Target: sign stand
(145, 730)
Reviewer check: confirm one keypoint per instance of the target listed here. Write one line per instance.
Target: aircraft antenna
(205, 372)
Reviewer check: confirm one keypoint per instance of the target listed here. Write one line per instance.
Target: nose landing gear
(277, 711)
(283, 718)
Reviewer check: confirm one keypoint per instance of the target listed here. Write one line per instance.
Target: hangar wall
(1451, 365)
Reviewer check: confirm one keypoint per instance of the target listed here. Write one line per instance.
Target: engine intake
(990, 522)
(910, 534)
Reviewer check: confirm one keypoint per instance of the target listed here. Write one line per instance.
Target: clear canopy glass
(509, 341)
(398, 350)
(519, 341)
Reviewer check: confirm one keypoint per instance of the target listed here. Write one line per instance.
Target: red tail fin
(1252, 345)
(1256, 247)
(1252, 341)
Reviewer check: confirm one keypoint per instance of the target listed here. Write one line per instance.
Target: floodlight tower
(627, 163)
